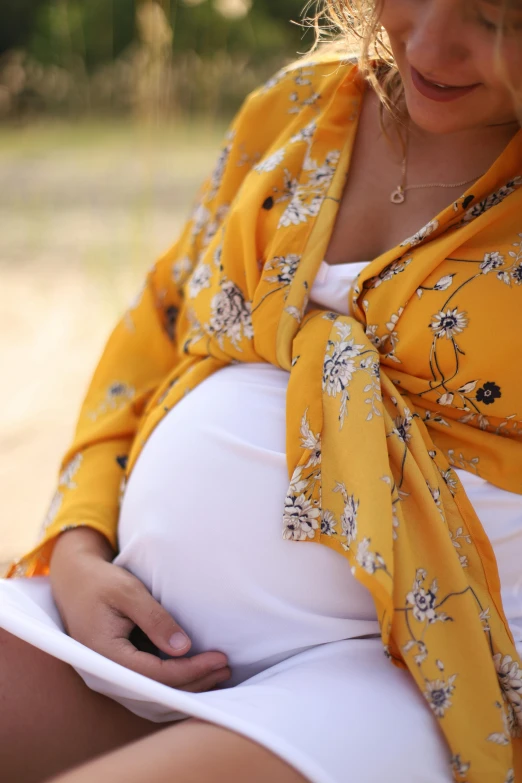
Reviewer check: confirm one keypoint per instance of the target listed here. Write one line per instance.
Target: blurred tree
(97, 31)
(17, 19)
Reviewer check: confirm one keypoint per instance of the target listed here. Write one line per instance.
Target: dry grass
(84, 211)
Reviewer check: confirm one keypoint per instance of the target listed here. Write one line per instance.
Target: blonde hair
(353, 25)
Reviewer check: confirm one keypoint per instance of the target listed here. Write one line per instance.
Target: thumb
(154, 621)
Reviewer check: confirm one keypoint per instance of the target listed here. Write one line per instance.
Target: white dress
(289, 615)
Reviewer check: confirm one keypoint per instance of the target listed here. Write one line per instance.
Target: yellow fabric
(381, 404)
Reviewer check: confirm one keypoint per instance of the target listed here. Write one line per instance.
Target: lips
(438, 92)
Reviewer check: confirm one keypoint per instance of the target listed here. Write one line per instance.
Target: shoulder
(316, 75)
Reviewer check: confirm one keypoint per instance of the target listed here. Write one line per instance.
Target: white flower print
(200, 218)
(181, 269)
(299, 211)
(213, 226)
(52, 511)
(516, 274)
(438, 694)
(422, 234)
(369, 561)
(69, 471)
(271, 162)
(423, 601)
(311, 442)
(349, 519)
(306, 199)
(447, 324)
(491, 262)
(296, 312)
(221, 164)
(274, 80)
(403, 425)
(510, 776)
(444, 283)
(321, 176)
(200, 279)
(510, 680)
(133, 305)
(328, 523)
(339, 367)
(117, 394)
(300, 519)
(231, 315)
(349, 515)
(305, 134)
(285, 268)
(493, 199)
(389, 272)
(458, 766)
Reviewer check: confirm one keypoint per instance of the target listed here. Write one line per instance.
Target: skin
(454, 42)
(447, 41)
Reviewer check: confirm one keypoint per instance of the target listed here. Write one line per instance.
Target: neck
(454, 156)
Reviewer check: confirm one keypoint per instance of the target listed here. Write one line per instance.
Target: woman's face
(453, 43)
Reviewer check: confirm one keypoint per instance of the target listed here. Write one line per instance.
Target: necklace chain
(398, 195)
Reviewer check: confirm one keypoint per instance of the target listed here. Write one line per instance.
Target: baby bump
(201, 525)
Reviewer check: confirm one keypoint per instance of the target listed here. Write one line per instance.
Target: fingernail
(219, 666)
(178, 641)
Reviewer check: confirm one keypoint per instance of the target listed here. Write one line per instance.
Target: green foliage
(97, 31)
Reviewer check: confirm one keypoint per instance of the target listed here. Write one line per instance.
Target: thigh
(50, 720)
(191, 751)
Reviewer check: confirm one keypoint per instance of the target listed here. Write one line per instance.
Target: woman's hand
(100, 605)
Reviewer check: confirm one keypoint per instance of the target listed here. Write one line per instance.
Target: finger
(175, 672)
(140, 606)
(208, 682)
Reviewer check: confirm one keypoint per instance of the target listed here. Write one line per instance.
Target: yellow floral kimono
(381, 405)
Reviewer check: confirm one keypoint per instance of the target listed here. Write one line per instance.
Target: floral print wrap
(422, 377)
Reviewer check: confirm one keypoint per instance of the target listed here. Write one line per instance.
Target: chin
(439, 118)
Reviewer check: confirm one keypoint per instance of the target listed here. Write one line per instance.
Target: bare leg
(50, 720)
(194, 751)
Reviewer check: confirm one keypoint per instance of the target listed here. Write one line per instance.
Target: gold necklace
(398, 196)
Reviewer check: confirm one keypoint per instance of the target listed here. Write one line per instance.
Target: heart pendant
(397, 197)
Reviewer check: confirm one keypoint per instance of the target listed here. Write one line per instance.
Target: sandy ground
(83, 213)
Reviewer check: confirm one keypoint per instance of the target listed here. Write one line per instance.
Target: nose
(435, 42)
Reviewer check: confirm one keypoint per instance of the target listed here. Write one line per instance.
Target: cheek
(503, 75)
(395, 16)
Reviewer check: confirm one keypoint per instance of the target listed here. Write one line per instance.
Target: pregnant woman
(301, 448)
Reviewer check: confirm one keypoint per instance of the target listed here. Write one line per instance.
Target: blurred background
(111, 114)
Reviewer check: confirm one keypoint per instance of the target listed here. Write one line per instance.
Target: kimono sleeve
(142, 349)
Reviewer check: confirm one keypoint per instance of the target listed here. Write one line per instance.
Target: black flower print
(516, 274)
(171, 317)
(488, 393)
(448, 324)
(122, 461)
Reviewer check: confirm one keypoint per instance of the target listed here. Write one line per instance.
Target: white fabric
(201, 526)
